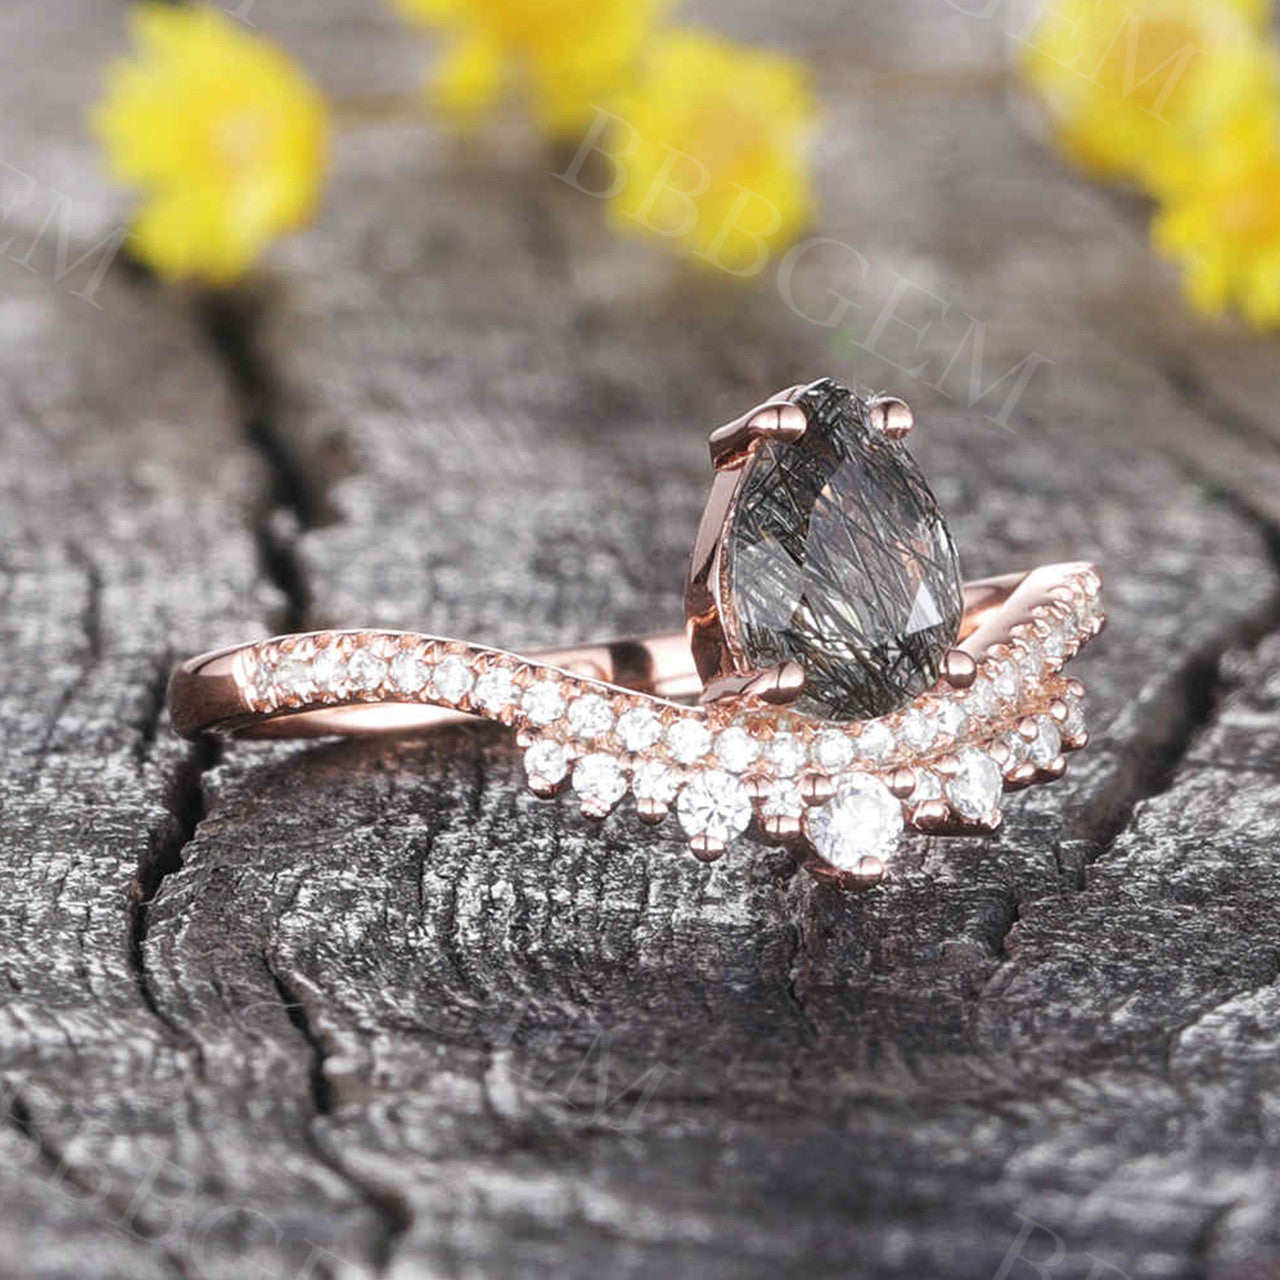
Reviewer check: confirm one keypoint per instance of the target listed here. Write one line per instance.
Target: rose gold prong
(959, 669)
(1078, 743)
(1054, 769)
(651, 812)
(903, 782)
(705, 849)
(1023, 776)
(547, 790)
(1028, 729)
(948, 766)
(773, 420)
(870, 871)
(782, 827)
(1059, 710)
(778, 685)
(1099, 625)
(931, 815)
(999, 752)
(1074, 687)
(817, 788)
(891, 417)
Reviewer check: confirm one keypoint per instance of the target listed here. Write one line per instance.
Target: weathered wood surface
(370, 1009)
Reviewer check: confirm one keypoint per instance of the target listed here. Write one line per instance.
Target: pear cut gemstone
(838, 557)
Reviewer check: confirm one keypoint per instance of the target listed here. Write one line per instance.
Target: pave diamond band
(944, 761)
(836, 688)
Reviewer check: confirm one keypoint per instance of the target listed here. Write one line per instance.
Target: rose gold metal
(782, 828)
(959, 669)
(776, 419)
(651, 812)
(817, 788)
(903, 783)
(891, 417)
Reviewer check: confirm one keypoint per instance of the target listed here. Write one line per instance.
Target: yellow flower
(568, 54)
(222, 135)
(1223, 227)
(1120, 78)
(713, 153)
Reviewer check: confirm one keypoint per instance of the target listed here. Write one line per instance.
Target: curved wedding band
(773, 744)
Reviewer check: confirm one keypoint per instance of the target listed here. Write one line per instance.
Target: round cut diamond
(786, 753)
(599, 781)
(981, 700)
(875, 742)
(293, 678)
(328, 669)
(838, 558)
(263, 680)
(366, 672)
(1018, 749)
(451, 679)
(1074, 725)
(832, 750)
(928, 786)
(409, 674)
(543, 702)
(547, 761)
(864, 820)
(714, 805)
(496, 690)
(782, 800)
(975, 788)
(917, 730)
(951, 719)
(638, 729)
(655, 781)
(590, 716)
(1005, 683)
(736, 749)
(1046, 746)
(689, 740)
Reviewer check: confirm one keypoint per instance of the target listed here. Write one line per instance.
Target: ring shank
(205, 696)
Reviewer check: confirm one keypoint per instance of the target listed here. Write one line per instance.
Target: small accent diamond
(1074, 725)
(600, 783)
(328, 669)
(639, 729)
(655, 781)
(928, 786)
(787, 754)
(875, 742)
(832, 750)
(781, 800)
(715, 805)
(1046, 746)
(974, 790)
(452, 679)
(293, 678)
(495, 690)
(863, 821)
(590, 716)
(1018, 751)
(547, 760)
(689, 740)
(736, 749)
(366, 671)
(917, 730)
(543, 702)
(409, 674)
(951, 719)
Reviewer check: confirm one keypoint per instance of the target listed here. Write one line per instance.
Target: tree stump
(370, 1009)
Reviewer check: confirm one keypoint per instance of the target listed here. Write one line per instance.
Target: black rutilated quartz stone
(838, 557)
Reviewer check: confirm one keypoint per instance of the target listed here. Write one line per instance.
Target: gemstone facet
(837, 557)
(863, 821)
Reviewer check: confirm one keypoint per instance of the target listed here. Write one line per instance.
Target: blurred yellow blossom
(1223, 227)
(1121, 78)
(714, 152)
(222, 135)
(566, 54)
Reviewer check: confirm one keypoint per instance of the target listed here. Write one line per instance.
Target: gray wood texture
(364, 1010)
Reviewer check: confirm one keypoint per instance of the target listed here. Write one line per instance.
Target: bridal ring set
(836, 683)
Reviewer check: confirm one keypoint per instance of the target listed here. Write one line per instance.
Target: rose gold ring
(835, 684)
